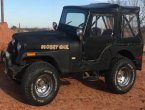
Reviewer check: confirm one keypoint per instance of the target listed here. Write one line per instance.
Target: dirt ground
(75, 94)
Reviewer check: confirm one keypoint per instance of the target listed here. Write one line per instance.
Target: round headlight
(19, 47)
(13, 41)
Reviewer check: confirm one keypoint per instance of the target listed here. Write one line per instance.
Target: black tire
(38, 77)
(121, 76)
(1, 57)
(17, 81)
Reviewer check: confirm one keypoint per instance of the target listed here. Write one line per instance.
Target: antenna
(2, 11)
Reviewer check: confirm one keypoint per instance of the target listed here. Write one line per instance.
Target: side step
(90, 76)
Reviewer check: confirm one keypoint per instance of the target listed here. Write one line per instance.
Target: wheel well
(30, 60)
(46, 59)
(127, 54)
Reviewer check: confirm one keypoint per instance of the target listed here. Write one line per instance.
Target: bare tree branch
(139, 3)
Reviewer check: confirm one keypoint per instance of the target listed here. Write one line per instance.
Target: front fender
(60, 57)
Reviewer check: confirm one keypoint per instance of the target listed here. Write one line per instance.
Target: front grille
(12, 49)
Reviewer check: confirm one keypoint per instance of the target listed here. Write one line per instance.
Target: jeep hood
(34, 40)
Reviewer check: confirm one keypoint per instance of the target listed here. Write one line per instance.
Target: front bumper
(7, 61)
(11, 69)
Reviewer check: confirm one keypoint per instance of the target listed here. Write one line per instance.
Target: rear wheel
(121, 76)
(40, 83)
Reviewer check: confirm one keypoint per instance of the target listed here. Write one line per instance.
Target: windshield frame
(72, 10)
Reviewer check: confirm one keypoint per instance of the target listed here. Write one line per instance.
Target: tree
(14, 27)
(142, 13)
(139, 3)
(120, 2)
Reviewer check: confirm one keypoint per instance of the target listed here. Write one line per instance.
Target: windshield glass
(73, 17)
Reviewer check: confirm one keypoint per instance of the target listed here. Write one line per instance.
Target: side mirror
(54, 24)
(80, 33)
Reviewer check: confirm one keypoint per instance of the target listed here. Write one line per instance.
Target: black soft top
(107, 7)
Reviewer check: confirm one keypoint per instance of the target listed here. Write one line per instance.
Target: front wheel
(121, 76)
(40, 83)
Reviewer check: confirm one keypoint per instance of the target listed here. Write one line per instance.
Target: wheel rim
(43, 85)
(124, 76)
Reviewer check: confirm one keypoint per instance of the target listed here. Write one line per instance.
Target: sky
(37, 13)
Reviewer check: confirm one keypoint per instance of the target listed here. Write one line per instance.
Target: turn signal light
(31, 54)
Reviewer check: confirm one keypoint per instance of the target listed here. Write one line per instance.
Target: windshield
(74, 18)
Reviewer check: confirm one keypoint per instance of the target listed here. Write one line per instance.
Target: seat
(107, 33)
(96, 32)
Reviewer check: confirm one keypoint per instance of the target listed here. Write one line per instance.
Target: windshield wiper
(69, 22)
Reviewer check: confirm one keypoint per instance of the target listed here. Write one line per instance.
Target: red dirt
(75, 94)
(5, 35)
